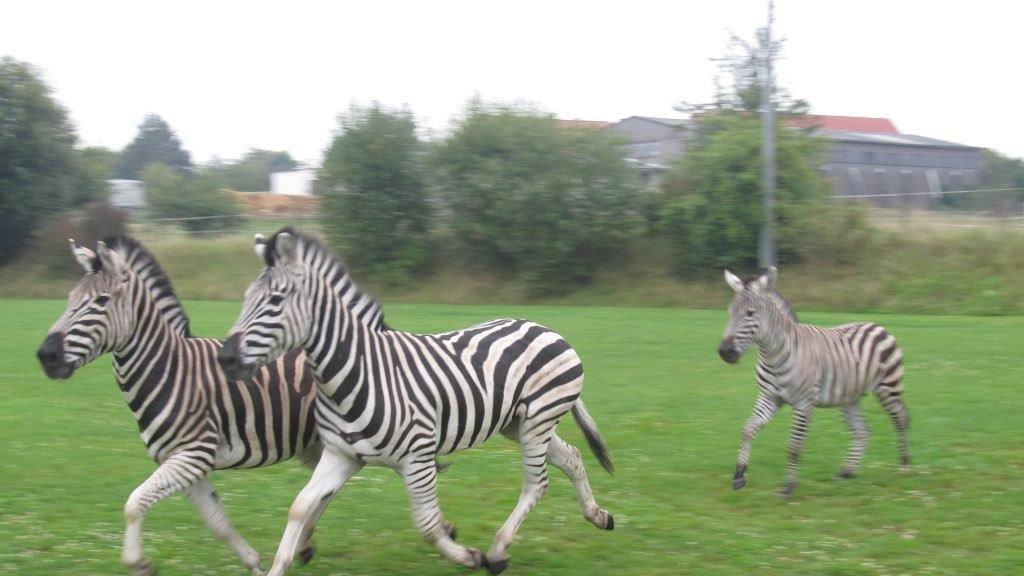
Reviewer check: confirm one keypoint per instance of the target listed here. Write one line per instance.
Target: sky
(229, 76)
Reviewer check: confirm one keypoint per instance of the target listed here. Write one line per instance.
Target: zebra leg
(859, 431)
(764, 409)
(331, 473)
(204, 497)
(890, 395)
(175, 474)
(420, 478)
(534, 438)
(306, 547)
(801, 419)
(566, 458)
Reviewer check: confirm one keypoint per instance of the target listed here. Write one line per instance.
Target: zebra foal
(192, 419)
(807, 366)
(397, 399)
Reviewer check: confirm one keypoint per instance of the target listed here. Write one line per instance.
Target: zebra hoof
(738, 483)
(845, 474)
(450, 529)
(904, 461)
(498, 566)
(306, 554)
(144, 568)
(610, 524)
(479, 559)
(787, 490)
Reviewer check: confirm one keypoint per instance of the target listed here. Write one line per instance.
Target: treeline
(513, 189)
(45, 176)
(507, 188)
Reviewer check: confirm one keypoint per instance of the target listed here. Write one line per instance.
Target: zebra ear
(110, 259)
(86, 258)
(734, 282)
(285, 247)
(259, 244)
(770, 279)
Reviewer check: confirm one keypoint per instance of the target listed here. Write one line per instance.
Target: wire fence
(249, 224)
(935, 216)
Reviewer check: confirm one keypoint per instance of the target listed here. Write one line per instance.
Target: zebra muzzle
(230, 359)
(727, 350)
(51, 357)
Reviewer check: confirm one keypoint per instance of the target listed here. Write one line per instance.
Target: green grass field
(668, 407)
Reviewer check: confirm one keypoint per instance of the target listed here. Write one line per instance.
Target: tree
(713, 206)
(155, 143)
(372, 193)
(94, 166)
(739, 82)
(252, 172)
(525, 194)
(37, 158)
(169, 194)
(998, 171)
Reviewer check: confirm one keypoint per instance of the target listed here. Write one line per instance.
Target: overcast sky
(229, 76)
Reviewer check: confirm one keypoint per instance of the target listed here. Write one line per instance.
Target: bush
(524, 194)
(713, 201)
(95, 222)
(373, 199)
(37, 165)
(169, 194)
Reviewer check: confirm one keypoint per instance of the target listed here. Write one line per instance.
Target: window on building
(934, 186)
(856, 181)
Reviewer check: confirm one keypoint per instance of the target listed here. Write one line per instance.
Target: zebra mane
(776, 297)
(363, 306)
(784, 305)
(146, 267)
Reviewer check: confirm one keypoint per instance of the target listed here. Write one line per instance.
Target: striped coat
(398, 399)
(191, 417)
(808, 366)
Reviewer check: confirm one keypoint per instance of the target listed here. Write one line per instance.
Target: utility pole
(766, 251)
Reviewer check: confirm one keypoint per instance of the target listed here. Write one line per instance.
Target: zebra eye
(275, 299)
(102, 299)
(750, 313)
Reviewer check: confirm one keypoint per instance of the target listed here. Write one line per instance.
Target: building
(883, 166)
(128, 195)
(293, 182)
(867, 156)
(653, 143)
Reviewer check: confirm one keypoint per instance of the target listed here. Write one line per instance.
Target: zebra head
(98, 315)
(275, 316)
(748, 312)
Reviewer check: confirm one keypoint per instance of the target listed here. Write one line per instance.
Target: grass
(671, 412)
(917, 270)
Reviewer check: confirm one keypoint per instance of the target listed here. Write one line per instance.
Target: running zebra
(396, 399)
(807, 366)
(192, 419)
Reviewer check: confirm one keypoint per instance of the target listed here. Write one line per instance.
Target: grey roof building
(879, 164)
(653, 143)
(868, 156)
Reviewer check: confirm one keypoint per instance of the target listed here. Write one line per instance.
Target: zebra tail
(594, 439)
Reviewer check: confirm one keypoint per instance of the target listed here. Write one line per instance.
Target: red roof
(845, 123)
(582, 124)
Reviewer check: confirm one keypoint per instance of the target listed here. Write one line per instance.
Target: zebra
(192, 419)
(398, 399)
(807, 366)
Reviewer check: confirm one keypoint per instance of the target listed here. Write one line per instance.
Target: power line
(939, 193)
